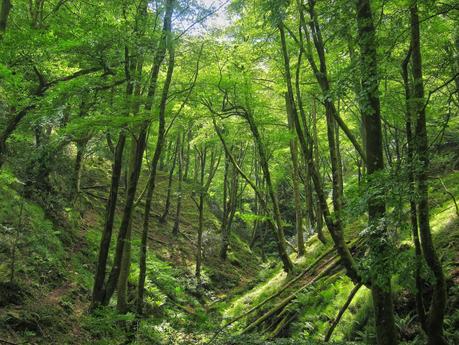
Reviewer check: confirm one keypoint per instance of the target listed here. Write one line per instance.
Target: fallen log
(281, 290)
(341, 311)
(289, 298)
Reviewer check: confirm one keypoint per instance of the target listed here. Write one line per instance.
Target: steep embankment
(48, 255)
(307, 306)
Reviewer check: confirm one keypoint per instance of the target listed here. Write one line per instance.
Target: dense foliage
(234, 172)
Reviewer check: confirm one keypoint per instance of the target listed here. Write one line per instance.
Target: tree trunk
(437, 308)
(122, 287)
(169, 182)
(296, 181)
(381, 285)
(225, 204)
(287, 263)
(178, 211)
(98, 293)
(187, 157)
(4, 13)
(159, 145)
(201, 158)
(411, 180)
(122, 240)
(334, 225)
(78, 166)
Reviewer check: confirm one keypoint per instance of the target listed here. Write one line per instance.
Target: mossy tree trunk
(381, 281)
(436, 313)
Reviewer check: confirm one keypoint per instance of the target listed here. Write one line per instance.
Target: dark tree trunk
(159, 145)
(436, 314)
(381, 286)
(98, 293)
(4, 13)
(123, 233)
(316, 158)
(225, 204)
(334, 225)
(411, 180)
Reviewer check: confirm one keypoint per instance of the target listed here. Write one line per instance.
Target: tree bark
(381, 285)
(287, 263)
(98, 292)
(412, 189)
(167, 28)
(436, 314)
(178, 211)
(169, 182)
(296, 182)
(4, 14)
(334, 225)
(232, 186)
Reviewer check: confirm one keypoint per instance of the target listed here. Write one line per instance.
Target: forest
(229, 172)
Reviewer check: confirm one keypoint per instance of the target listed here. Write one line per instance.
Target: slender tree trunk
(78, 166)
(231, 205)
(156, 156)
(122, 287)
(275, 225)
(296, 181)
(187, 157)
(334, 224)
(412, 187)
(98, 294)
(4, 13)
(178, 211)
(256, 224)
(291, 113)
(202, 154)
(225, 204)
(340, 161)
(122, 239)
(281, 242)
(316, 158)
(310, 219)
(98, 290)
(169, 182)
(122, 284)
(437, 308)
(381, 286)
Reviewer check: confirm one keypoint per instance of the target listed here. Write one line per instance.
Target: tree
(381, 281)
(435, 316)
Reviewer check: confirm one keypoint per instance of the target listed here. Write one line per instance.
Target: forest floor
(55, 249)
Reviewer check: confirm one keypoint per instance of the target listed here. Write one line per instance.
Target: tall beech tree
(435, 316)
(381, 281)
